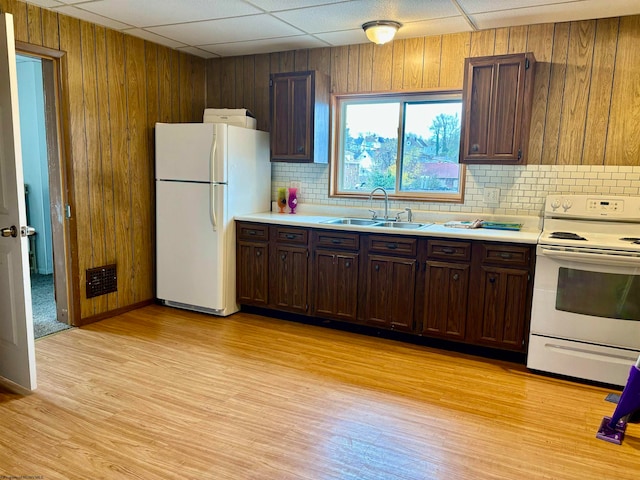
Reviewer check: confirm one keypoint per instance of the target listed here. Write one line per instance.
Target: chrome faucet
(386, 201)
(409, 215)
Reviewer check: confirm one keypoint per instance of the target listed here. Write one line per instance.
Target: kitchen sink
(351, 221)
(375, 223)
(408, 225)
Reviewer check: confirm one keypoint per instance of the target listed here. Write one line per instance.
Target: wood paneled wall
(587, 90)
(116, 88)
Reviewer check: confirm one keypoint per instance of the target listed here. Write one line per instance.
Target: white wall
(523, 189)
(34, 157)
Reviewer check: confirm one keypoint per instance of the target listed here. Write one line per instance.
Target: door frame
(63, 227)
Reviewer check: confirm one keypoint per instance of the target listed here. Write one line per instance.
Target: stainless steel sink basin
(351, 221)
(409, 225)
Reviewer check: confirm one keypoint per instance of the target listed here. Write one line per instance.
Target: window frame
(337, 132)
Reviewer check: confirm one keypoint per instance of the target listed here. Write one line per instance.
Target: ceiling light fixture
(381, 31)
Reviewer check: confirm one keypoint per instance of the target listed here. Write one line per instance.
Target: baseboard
(112, 313)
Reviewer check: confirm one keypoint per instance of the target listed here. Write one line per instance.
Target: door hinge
(270, 82)
(526, 64)
(528, 277)
(519, 153)
(67, 210)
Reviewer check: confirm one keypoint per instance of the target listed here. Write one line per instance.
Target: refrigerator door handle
(212, 206)
(212, 167)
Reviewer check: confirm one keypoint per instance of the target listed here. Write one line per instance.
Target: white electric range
(585, 319)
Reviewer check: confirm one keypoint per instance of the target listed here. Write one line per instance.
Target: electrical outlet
(296, 185)
(492, 196)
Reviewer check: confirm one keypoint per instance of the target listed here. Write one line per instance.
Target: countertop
(312, 217)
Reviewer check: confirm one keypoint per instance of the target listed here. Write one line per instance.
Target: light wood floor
(165, 394)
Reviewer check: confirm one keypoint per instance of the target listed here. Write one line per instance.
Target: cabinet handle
(251, 232)
(392, 246)
(347, 264)
(258, 253)
(505, 255)
(456, 276)
(336, 241)
(448, 250)
(301, 149)
(377, 268)
(290, 236)
(283, 257)
(492, 279)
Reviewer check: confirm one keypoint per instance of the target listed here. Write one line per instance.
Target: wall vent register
(102, 280)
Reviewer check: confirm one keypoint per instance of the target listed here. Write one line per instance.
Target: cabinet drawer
(331, 239)
(291, 235)
(446, 250)
(252, 231)
(393, 245)
(506, 255)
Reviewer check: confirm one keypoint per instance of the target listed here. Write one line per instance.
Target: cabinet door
(291, 117)
(497, 100)
(378, 294)
(445, 299)
(289, 282)
(335, 285)
(301, 123)
(252, 278)
(280, 117)
(403, 289)
(500, 318)
(390, 292)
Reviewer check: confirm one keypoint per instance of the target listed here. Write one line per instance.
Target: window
(367, 153)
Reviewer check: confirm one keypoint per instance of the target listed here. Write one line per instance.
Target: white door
(17, 349)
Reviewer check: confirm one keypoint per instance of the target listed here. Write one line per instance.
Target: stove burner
(566, 236)
(630, 239)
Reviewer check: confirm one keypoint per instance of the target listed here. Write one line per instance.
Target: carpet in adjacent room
(44, 306)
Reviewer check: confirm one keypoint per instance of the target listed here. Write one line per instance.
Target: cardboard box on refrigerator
(240, 117)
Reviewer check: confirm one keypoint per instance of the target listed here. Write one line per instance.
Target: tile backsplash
(523, 189)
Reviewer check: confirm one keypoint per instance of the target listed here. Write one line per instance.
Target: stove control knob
(555, 204)
(566, 204)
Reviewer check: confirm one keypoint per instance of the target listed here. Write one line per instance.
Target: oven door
(587, 295)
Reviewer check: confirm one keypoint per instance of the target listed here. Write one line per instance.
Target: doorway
(44, 190)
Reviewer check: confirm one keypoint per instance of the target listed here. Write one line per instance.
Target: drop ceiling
(221, 28)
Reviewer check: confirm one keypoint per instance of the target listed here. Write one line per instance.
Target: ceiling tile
(476, 6)
(343, 37)
(198, 52)
(91, 17)
(351, 15)
(564, 12)
(279, 5)
(264, 46)
(144, 13)
(228, 30)
(440, 26)
(152, 37)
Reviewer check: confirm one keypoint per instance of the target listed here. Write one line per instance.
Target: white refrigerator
(205, 174)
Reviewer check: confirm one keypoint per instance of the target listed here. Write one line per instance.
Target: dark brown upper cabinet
(496, 108)
(300, 117)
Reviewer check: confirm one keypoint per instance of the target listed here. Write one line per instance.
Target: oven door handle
(628, 260)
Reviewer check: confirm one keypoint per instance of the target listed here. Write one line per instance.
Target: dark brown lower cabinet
(391, 286)
(290, 275)
(500, 308)
(252, 273)
(445, 300)
(469, 291)
(335, 284)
